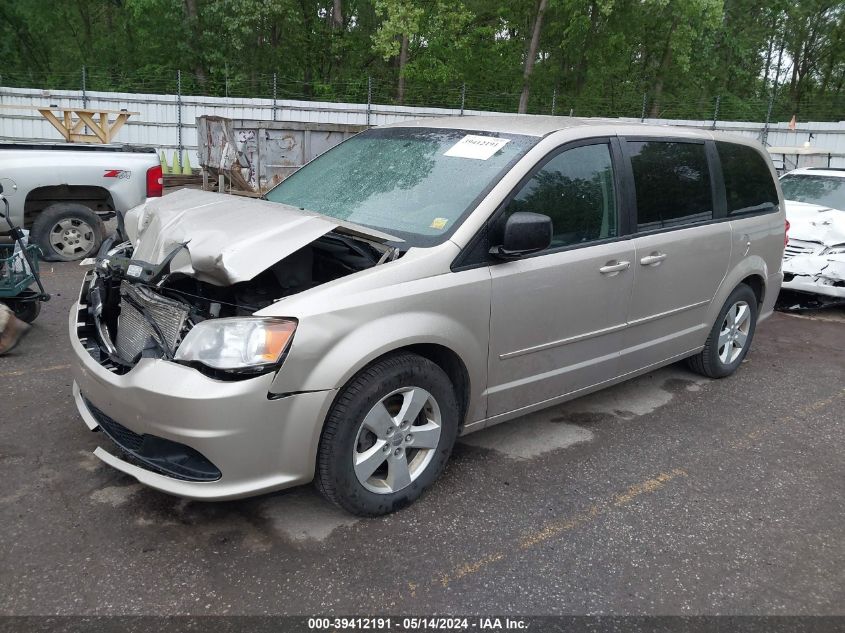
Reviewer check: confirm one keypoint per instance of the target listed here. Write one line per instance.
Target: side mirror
(525, 233)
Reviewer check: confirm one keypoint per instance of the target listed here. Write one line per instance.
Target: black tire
(77, 216)
(26, 311)
(335, 477)
(708, 361)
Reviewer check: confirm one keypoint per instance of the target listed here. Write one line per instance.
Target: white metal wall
(156, 125)
(827, 135)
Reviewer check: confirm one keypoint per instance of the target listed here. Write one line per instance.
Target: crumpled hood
(815, 223)
(228, 238)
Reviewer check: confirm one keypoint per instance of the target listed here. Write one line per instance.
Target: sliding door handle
(653, 259)
(610, 268)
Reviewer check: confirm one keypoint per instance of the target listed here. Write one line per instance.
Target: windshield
(416, 183)
(828, 191)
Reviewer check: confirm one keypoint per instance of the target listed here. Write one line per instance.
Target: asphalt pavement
(669, 494)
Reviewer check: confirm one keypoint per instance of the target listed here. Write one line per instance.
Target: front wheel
(730, 338)
(388, 436)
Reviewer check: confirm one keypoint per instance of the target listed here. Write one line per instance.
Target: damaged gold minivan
(417, 282)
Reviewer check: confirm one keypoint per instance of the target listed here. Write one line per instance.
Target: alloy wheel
(733, 334)
(397, 440)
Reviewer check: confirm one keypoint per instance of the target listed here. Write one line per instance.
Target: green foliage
(596, 57)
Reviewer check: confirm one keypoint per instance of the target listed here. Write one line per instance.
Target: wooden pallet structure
(83, 125)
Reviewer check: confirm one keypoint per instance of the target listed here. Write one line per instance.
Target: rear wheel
(67, 231)
(388, 436)
(730, 338)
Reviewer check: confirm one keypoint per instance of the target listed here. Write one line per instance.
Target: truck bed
(77, 147)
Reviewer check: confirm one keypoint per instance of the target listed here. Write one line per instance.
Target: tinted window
(827, 191)
(749, 185)
(575, 189)
(672, 181)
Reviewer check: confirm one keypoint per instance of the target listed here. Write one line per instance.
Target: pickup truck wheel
(388, 436)
(67, 231)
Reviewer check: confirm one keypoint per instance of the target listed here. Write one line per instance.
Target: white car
(814, 259)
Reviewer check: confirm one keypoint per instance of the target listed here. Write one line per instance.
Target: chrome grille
(799, 247)
(133, 329)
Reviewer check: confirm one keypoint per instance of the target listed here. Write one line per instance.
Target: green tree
(598, 56)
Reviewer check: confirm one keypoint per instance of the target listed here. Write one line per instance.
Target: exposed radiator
(133, 328)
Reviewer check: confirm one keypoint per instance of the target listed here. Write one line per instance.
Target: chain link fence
(622, 102)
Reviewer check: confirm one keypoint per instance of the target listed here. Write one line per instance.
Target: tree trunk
(840, 84)
(828, 71)
(666, 60)
(769, 51)
(531, 55)
(581, 68)
(776, 82)
(793, 83)
(190, 8)
(403, 60)
(337, 14)
(721, 53)
(84, 42)
(309, 53)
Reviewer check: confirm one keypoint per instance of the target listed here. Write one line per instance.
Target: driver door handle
(614, 268)
(651, 260)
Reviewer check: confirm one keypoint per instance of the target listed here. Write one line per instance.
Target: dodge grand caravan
(417, 282)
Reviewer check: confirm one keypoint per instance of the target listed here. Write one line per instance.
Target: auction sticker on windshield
(478, 147)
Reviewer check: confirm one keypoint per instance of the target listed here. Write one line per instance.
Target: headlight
(237, 343)
(838, 249)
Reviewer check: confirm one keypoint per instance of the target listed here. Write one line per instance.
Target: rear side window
(749, 185)
(672, 182)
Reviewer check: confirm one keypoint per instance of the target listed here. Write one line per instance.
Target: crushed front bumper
(257, 441)
(816, 274)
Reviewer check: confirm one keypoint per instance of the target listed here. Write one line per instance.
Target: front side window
(672, 182)
(825, 191)
(416, 183)
(749, 185)
(576, 190)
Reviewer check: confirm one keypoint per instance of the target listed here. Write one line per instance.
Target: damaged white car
(814, 259)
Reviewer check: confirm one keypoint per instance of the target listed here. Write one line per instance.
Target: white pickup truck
(62, 193)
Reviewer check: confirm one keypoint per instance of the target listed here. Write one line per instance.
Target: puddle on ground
(88, 461)
(302, 515)
(633, 398)
(115, 495)
(564, 425)
(529, 436)
(299, 516)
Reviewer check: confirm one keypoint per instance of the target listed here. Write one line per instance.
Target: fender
(350, 353)
(746, 267)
